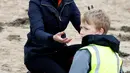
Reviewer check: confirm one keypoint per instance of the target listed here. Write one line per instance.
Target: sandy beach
(14, 26)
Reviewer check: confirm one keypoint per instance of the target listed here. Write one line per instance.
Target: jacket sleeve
(81, 62)
(36, 22)
(75, 17)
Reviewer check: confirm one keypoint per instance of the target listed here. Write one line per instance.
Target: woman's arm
(75, 17)
(37, 25)
(36, 21)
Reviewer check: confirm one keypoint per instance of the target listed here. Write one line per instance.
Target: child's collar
(103, 40)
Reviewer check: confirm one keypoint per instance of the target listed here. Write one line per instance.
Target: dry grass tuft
(112, 28)
(125, 29)
(19, 22)
(123, 54)
(14, 37)
(1, 28)
(124, 37)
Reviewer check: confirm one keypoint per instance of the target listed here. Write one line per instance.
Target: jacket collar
(49, 2)
(104, 40)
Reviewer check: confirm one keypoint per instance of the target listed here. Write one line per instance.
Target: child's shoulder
(84, 48)
(88, 47)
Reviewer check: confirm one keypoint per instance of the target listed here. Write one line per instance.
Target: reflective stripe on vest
(103, 59)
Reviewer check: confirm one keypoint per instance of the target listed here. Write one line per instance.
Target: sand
(13, 37)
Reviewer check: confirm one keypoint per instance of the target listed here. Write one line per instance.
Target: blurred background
(14, 26)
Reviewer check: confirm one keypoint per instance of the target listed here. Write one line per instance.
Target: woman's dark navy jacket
(45, 21)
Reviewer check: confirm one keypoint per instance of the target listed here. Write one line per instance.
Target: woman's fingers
(58, 38)
(66, 40)
(61, 33)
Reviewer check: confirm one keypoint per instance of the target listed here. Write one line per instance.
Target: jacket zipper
(56, 9)
(51, 7)
(63, 8)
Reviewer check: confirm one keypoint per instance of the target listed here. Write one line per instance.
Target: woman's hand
(57, 37)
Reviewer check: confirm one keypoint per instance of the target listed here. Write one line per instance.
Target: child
(99, 52)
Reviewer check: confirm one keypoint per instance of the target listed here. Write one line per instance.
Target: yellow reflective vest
(103, 59)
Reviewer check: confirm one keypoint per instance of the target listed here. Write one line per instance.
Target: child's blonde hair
(98, 18)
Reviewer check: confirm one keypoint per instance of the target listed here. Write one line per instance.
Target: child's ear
(101, 31)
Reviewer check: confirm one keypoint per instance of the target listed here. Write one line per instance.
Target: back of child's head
(97, 18)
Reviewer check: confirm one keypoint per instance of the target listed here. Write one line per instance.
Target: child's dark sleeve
(81, 62)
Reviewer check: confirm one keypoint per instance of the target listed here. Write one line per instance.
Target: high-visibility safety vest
(103, 59)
